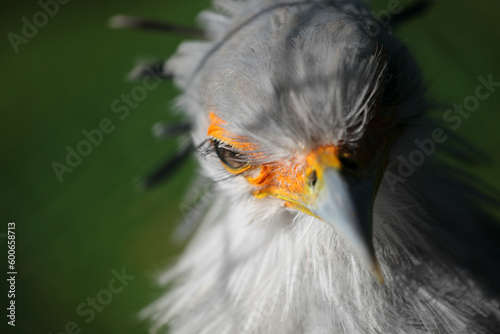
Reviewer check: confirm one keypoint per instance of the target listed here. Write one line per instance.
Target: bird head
(305, 116)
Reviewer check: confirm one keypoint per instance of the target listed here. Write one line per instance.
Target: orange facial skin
(217, 131)
(290, 180)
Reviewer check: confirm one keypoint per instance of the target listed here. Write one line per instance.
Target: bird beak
(323, 187)
(345, 201)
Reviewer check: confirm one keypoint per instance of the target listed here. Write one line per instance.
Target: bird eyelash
(234, 161)
(206, 148)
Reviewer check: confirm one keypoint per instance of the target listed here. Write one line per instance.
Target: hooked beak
(328, 190)
(345, 202)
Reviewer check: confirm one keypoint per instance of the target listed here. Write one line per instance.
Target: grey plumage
(287, 77)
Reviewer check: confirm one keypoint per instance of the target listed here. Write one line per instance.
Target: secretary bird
(330, 212)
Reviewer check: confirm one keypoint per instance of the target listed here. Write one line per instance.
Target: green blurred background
(70, 235)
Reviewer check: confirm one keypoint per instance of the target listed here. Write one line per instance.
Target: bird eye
(348, 161)
(234, 161)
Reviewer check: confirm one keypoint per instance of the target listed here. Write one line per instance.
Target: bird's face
(313, 132)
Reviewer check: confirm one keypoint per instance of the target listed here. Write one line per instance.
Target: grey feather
(289, 76)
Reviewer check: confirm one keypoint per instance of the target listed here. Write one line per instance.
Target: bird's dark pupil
(229, 157)
(348, 161)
